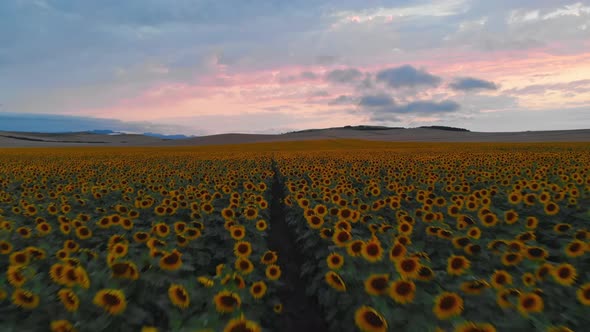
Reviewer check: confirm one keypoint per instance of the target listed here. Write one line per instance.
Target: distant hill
(445, 128)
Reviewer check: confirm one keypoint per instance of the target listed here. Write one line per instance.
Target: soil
(300, 312)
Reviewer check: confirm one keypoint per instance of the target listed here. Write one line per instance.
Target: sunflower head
(368, 319)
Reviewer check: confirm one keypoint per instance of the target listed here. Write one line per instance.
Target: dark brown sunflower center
(268, 257)
(171, 259)
(335, 260)
(244, 265)
(403, 288)
(408, 265)
(535, 252)
(25, 297)
(372, 249)
(180, 295)
(71, 275)
(586, 293)
(501, 279)
(457, 263)
(20, 258)
(243, 248)
(228, 301)
(379, 284)
(342, 236)
(111, 300)
(528, 302)
(241, 327)
(373, 319)
(564, 273)
(575, 247)
(447, 303)
(84, 231)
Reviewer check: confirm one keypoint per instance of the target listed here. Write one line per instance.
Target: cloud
(342, 100)
(470, 83)
(376, 101)
(579, 86)
(407, 76)
(344, 76)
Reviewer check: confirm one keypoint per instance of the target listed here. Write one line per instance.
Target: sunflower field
(393, 236)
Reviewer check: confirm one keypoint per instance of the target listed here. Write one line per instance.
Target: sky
(200, 67)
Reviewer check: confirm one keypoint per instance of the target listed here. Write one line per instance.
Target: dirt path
(300, 313)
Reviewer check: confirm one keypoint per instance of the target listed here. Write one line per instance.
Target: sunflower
(25, 299)
(528, 279)
(583, 294)
(192, 233)
(354, 248)
(425, 273)
(501, 279)
(397, 251)
(503, 297)
(575, 248)
(56, 272)
(489, 220)
(228, 214)
(511, 259)
(368, 319)
(61, 326)
(237, 232)
(69, 299)
(543, 271)
(15, 276)
(402, 291)
(551, 208)
(179, 296)
(315, 222)
(457, 265)
(269, 257)
(475, 327)
(408, 267)
(531, 222)
(564, 274)
(244, 265)
(5, 247)
(273, 272)
(562, 228)
(258, 289)
(20, 258)
(447, 305)
(335, 281)
(226, 301)
(472, 249)
(529, 303)
(241, 324)
(536, 253)
(206, 281)
(111, 300)
(474, 287)
(119, 250)
(242, 249)
(261, 225)
(474, 232)
(372, 251)
(377, 284)
(250, 213)
(171, 261)
(341, 237)
(83, 232)
(278, 308)
(24, 232)
(335, 261)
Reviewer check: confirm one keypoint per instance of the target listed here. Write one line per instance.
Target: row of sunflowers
(486, 238)
(135, 240)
